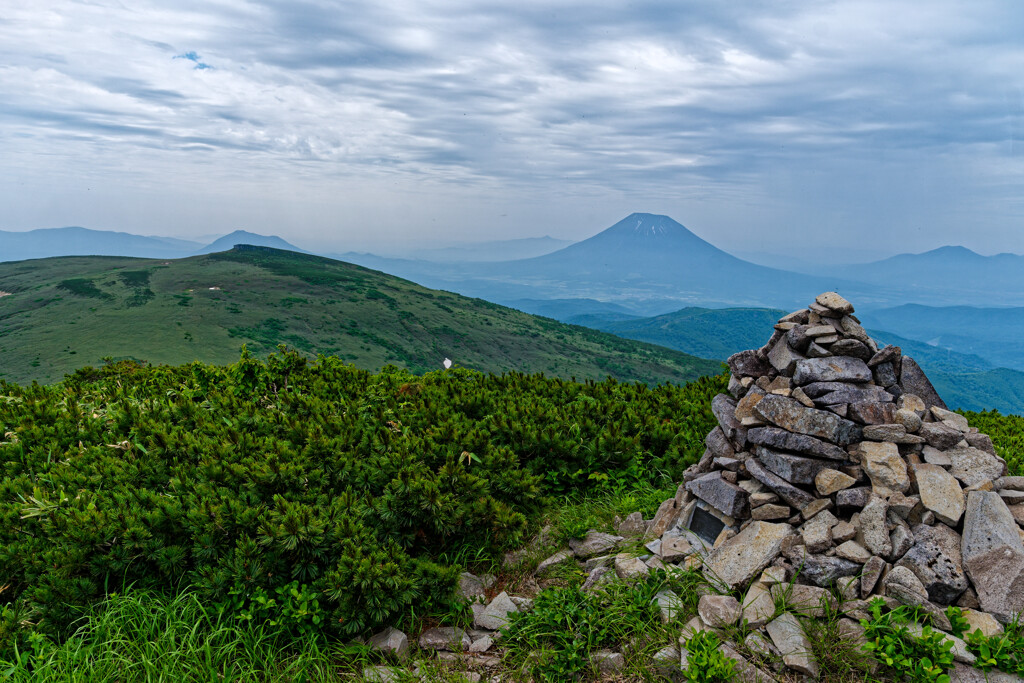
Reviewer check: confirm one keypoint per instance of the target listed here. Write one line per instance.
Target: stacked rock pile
(836, 462)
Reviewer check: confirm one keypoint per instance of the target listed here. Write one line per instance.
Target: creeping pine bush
(312, 495)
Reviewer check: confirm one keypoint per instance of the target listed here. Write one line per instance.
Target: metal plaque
(706, 525)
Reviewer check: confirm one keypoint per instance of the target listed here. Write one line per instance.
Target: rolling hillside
(66, 313)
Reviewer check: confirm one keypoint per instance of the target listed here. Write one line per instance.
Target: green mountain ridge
(66, 313)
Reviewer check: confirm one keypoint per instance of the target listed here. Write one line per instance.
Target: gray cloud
(893, 124)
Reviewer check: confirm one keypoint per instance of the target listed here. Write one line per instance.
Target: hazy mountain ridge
(996, 334)
(947, 276)
(965, 381)
(78, 241)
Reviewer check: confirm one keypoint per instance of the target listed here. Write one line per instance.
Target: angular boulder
(831, 369)
(773, 437)
(940, 493)
(722, 495)
(914, 381)
(740, 559)
(993, 555)
(935, 559)
(791, 415)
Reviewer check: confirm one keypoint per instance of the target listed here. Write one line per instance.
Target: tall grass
(140, 636)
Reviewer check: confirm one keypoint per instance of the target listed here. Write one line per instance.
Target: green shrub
(308, 494)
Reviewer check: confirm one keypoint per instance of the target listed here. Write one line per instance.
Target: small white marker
(447, 363)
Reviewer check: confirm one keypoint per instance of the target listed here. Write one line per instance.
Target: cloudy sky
(854, 127)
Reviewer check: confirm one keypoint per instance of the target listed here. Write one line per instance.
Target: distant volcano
(244, 237)
(654, 257)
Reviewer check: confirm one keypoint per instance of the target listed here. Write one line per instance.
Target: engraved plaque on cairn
(706, 525)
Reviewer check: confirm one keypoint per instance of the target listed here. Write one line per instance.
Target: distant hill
(565, 310)
(965, 381)
(244, 237)
(65, 313)
(718, 333)
(996, 334)
(947, 276)
(76, 241)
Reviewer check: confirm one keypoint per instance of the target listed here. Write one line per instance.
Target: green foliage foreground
(312, 496)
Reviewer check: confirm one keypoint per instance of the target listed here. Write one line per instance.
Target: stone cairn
(835, 468)
(835, 463)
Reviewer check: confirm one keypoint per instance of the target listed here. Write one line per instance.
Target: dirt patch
(3, 293)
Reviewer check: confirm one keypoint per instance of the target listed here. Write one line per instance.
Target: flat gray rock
(832, 369)
(874, 526)
(748, 364)
(471, 588)
(875, 413)
(939, 435)
(798, 498)
(758, 605)
(594, 543)
(445, 638)
(825, 570)
(793, 416)
(719, 445)
(793, 468)
(548, 566)
(669, 605)
(851, 347)
(788, 636)
(724, 409)
(784, 357)
(884, 466)
(873, 570)
(973, 466)
(781, 439)
(993, 554)
(390, 641)
(725, 497)
(940, 493)
(495, 616)
(810, 601)
(629, 568)
(827, 393)
(834, 302)
(382, 674)
(740, 559)
(719, 611)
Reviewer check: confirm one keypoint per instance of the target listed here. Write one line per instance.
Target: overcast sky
(835, 129)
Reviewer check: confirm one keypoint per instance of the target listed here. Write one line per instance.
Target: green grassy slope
(65, 313)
